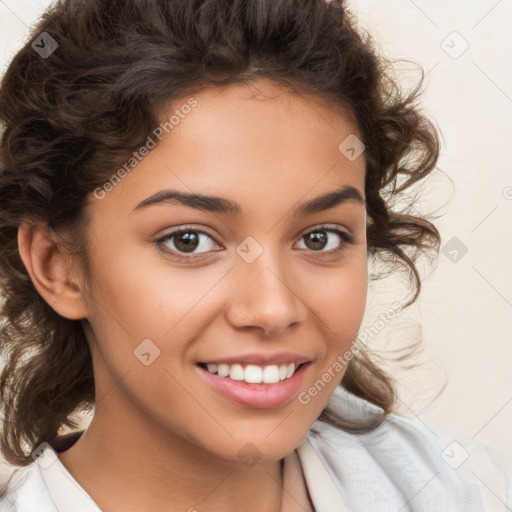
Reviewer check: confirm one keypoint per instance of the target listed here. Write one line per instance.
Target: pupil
(188, 241)
(318, 238)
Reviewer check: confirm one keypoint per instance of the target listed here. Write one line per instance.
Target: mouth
(252, 385)
(252, 373)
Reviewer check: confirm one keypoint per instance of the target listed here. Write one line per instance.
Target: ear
(50, 269)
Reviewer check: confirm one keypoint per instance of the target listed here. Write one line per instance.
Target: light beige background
(465, 310)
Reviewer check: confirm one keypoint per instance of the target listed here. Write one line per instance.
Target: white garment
(401, 466)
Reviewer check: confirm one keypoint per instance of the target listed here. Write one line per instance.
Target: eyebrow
(231, 208)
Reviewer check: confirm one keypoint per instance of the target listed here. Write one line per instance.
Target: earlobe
(49, 268)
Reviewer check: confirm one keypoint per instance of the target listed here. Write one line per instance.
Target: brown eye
(316, 240)
(187, 242)
(327, 240)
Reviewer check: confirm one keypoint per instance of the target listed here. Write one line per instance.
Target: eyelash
(347, 239)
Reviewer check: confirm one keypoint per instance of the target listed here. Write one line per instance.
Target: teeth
(213, 368)
(223, 370)
(254, 374)
(271, 374)
(236, 372)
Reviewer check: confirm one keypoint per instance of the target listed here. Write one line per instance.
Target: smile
(253, 374)
(252, 385)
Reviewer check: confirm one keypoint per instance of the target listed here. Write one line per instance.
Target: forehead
(244, 140)
(262, 102)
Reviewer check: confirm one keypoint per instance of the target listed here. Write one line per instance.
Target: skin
(161, 438)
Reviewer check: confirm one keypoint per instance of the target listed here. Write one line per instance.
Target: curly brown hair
(71, 118)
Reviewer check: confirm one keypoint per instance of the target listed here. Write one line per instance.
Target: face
(224, 319)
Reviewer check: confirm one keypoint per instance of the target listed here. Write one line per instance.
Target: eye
(326, 239)
(186, 241)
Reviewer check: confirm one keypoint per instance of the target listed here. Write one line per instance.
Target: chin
(263, 447)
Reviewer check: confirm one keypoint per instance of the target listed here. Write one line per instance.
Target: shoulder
(405, 464)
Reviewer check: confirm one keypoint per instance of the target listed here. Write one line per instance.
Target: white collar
(65, 492)
(322, 490)
(68, 496)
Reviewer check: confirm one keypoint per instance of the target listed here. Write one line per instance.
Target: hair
(70, 119)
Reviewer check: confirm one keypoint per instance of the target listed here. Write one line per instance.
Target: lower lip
(258, 396)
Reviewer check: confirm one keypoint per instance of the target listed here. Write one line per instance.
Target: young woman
(191, 193)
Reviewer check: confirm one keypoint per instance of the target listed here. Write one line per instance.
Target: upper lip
(260, 359)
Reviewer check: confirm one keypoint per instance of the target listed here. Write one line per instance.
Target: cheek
(339, 312)
(147, 296)
(339, 302)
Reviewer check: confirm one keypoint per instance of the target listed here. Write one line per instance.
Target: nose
(265, 297)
